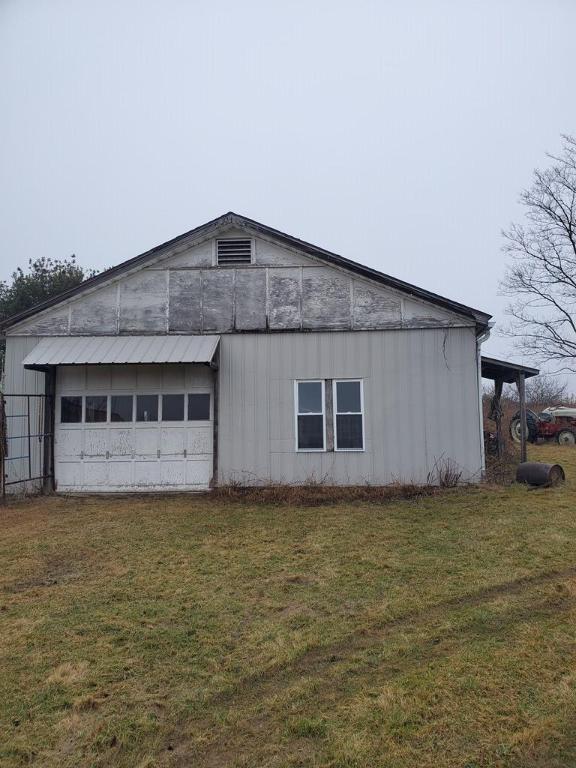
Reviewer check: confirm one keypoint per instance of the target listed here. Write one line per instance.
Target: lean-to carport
(503, 372)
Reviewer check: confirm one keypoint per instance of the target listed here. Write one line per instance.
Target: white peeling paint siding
(420, 393)
(18, 380)
(281, 290)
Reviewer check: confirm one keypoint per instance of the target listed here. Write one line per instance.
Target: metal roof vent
(234, 251)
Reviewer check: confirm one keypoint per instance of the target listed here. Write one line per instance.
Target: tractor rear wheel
(515, 430)
(566, 437)
(531, 427)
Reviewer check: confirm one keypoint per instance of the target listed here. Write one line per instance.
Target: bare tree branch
(541, 277)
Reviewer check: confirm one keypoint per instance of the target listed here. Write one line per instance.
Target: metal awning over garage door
(107, 350)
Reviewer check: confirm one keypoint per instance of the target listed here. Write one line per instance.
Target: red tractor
(550, 424)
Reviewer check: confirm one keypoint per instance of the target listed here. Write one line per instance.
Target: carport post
(49, 423)
(522, 397)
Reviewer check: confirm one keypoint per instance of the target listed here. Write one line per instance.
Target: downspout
(480, 339)
(215, 366)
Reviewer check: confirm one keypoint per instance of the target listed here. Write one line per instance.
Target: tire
(531, 427)
(515, 429)
(566, 437)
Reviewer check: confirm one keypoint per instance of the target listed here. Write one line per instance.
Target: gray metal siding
(420, 393)
(18, 380)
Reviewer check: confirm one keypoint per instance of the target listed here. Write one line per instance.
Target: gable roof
(234, 219)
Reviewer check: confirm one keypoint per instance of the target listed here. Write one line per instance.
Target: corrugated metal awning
(106, 350)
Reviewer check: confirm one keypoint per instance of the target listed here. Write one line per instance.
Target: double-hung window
(310, 416)
(338, 403)
(348, 401)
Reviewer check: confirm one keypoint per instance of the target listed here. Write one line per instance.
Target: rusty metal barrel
(535, 473)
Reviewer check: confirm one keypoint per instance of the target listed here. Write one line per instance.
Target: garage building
(237, 353)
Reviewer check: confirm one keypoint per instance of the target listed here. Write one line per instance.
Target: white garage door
(133, 428)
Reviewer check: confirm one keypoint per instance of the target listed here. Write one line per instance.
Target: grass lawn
(190, 632)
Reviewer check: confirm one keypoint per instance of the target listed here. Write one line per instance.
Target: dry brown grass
(316, 494)
(501, 470)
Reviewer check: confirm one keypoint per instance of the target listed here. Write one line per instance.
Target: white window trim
(297, 413)
(335, 413)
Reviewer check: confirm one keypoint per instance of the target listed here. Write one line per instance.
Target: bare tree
(541, 392)
(542, 276)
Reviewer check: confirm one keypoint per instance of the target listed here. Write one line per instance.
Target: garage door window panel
(199, 407)
(96, 409)
(71, 409)
(147, 408)
(121, 408)
(172, 407)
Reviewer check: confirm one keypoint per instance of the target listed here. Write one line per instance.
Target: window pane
(310, 432)
(199, 407)
(70, 410)
(172, 407)
(121, 408)
(147, 408)
(349, 432)
(309, 397)
(96, 408)
(348, 397)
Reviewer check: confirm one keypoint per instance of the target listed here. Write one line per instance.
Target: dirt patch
(300, 579)
(53, 571)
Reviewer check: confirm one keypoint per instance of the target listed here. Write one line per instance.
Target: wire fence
(26, 444)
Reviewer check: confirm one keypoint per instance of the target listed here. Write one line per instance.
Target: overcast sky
(398, 134)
